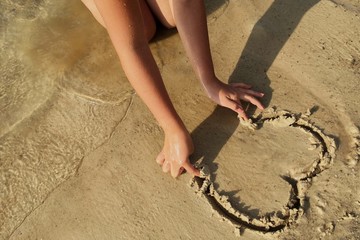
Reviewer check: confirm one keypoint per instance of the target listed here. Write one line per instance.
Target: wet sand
(77, 145)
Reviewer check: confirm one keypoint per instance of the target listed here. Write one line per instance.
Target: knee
(150, 30)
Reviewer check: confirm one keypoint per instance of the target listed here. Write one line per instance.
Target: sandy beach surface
(78, 146)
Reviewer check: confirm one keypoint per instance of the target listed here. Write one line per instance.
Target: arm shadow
(267, 38)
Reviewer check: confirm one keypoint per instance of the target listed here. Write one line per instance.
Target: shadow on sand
(267, 38)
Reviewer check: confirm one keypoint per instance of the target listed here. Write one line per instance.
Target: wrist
(172, 124)
(207, 77)
(211, 86)
(178, 132)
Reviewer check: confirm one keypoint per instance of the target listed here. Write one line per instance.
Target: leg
(163, 11)
(149, 22)
(92, 7)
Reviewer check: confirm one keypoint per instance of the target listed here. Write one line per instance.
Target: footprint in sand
(294, 166)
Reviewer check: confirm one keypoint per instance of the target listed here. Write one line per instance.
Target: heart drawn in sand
(298, 179)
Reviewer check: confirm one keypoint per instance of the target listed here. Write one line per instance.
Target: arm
(126, 30)
(190, 18)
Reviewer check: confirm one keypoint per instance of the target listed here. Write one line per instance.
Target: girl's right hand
(174, 157)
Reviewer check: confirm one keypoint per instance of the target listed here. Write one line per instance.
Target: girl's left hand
(231, 95)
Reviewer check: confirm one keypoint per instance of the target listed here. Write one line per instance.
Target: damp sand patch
(298, 178)
(48, 148)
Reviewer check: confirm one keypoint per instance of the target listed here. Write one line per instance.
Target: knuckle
(240, 109)
(237, 109)
(181, 161)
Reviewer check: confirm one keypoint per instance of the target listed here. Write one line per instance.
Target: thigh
(148, 19)
(162, 11)
(90, 4)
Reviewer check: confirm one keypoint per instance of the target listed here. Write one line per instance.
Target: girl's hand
(174, 156)
(230, 96)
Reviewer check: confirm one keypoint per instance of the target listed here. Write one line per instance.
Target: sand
(78, 147)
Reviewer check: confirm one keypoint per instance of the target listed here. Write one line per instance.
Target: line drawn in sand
(299, 180)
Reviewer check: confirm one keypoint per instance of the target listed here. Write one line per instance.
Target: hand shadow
(267, 38)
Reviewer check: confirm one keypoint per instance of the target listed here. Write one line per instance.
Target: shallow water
(62, 92)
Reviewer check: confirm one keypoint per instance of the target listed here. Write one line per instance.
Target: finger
(241, 85)
(175, 170)
(242, 114)
(166, 167)
(252, 92)
(236, 107)
(253, 101)
(191, 169)
(160, 158)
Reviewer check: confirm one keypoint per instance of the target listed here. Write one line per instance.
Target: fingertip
(260, 106)
(197, 173)
(192, 170)
(243, 115)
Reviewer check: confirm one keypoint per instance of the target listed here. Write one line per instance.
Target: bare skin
(131, 25)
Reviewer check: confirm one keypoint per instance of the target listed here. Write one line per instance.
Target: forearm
(143, 74)
(190, 18)
(126, 30)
